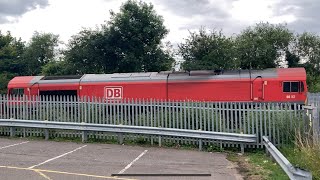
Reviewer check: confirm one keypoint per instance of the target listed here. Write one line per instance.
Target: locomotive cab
(19, 86)
(294, 91)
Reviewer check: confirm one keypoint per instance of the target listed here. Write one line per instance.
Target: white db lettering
(112, 92)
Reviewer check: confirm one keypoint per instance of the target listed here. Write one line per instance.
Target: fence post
(315, 123)
(315, 127)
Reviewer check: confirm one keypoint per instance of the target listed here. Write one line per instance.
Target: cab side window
(16, 91)
(295, 86)
(286, 86)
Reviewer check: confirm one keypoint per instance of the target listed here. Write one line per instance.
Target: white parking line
(13, 145)
(43, 175)
(57, 157)
(136, 159)
(67, 173)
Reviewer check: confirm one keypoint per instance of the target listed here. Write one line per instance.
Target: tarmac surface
(49, 160)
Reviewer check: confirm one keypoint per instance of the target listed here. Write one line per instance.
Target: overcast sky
(67, 17)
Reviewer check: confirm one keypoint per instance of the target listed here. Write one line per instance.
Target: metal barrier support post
(242, 148)
(46, 134)
(200, 144)
(120, 138)
(84, 136)
(159, 139)
(12, 131)
(24, 132)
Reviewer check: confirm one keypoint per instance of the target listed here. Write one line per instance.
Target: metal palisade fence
(278, 121)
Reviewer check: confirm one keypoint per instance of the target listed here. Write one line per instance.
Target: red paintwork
(146, 90)
(20, 81)
(235, 90)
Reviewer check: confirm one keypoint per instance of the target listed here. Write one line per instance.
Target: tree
(56, 68)
(307, 48)
(136, 32)
(86, 54)
(129, 42)
(207, 51)
(41, 49)
(11, 50)
(260, 47)
(292, 59)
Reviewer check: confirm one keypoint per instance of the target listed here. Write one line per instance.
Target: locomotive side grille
(61, 77)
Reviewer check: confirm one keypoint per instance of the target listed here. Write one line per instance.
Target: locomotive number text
(290, 96)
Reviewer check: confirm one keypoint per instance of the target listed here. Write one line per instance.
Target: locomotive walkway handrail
(121, 129)
(292, 172)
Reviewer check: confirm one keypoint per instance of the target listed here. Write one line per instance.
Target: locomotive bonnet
(269, 85)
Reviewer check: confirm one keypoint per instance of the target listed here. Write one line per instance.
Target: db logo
(113, 92)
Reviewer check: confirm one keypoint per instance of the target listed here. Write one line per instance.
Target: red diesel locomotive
(270, 85)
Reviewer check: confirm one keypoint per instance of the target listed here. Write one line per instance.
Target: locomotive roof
(123, 77)
(283, 73)
(193, 75)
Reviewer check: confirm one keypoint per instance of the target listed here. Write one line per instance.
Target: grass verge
(305, 154)
(254, 165)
